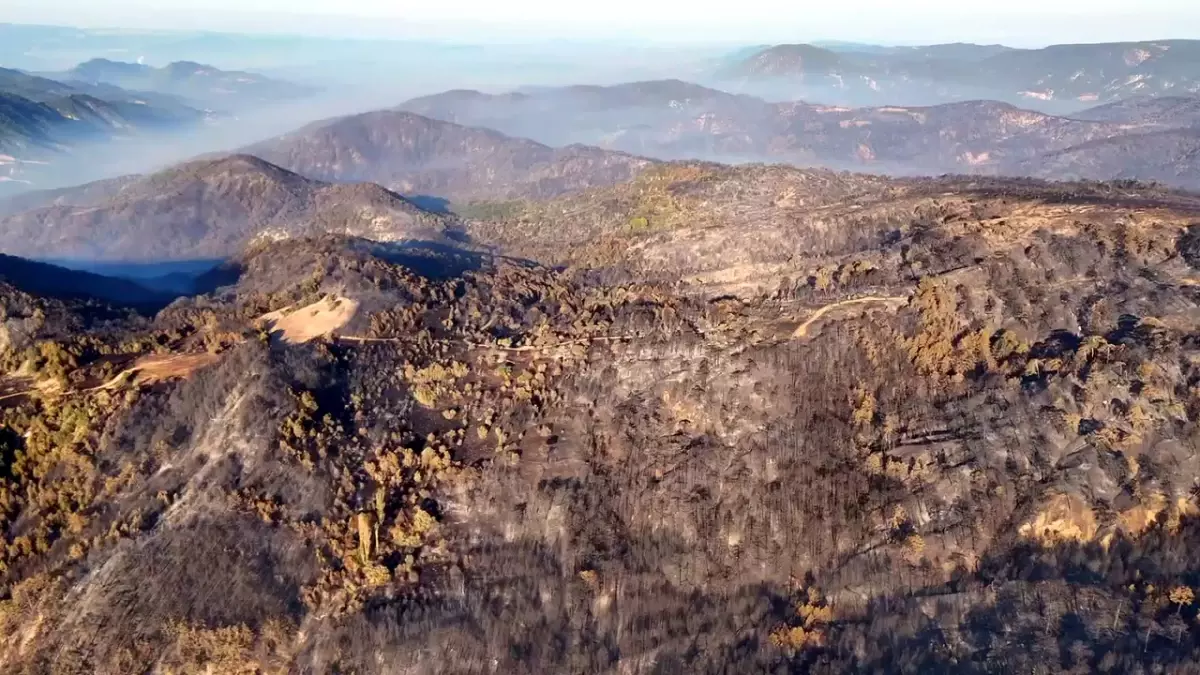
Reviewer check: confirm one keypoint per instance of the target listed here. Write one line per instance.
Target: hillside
(208, 209)
(25, 123)
(1152, 111)
(760, 419)
(76, 195)
(28, 319)
(1171, 157)
(954, 137)
(746, 230)
(79, 117)
(34, 129)
(422, 157)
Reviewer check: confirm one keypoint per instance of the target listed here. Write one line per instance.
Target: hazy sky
(1017, 22)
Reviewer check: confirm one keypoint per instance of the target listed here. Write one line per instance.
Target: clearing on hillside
(312, 321)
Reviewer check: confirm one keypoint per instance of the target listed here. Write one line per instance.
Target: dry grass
(1065, 517)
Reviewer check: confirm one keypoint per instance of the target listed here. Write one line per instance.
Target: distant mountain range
(59, 122)
(38, 138)
(43, 112)
(594, 114)
(671, 119)
(45, 121)
(200, 85)
(347, 175)
(1060, 78)
(39, 88)
(42, 121)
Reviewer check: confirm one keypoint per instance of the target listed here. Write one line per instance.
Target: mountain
(473, 105)
(594, 115)
(795, 60)
(746, 230)
(415, 155)
(750, 213)
(736, 419)
(201, 85)
(1058, 78)
(208, 209)
(35, 136)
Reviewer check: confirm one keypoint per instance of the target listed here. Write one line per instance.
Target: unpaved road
(802, 330)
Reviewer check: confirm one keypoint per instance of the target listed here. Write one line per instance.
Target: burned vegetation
(937, 426)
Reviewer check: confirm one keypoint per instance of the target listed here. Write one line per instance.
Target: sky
(1013, 22)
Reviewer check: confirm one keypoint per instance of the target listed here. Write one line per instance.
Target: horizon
(471, 22)
(451, 40)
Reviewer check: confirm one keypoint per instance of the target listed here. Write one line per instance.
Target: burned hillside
(716, 419)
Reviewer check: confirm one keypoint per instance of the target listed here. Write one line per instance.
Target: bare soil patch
(312, 321)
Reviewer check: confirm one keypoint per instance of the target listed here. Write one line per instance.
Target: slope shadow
(176, 277)
(430, 203)
(431, 259)
(39, 278)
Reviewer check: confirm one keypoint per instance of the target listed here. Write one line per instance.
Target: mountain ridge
(416, 155)
(209, 209)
